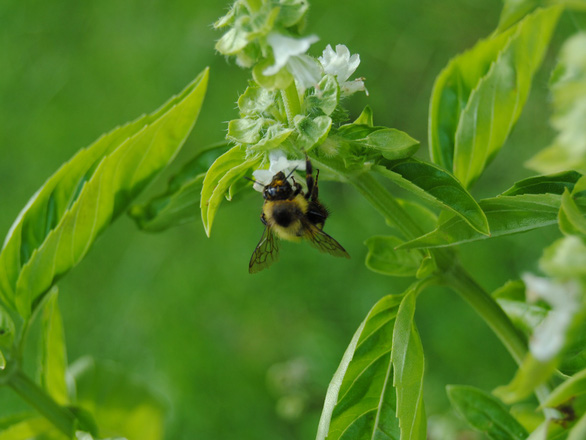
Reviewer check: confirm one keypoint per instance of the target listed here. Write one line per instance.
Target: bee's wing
(323, 242)
(266, 252)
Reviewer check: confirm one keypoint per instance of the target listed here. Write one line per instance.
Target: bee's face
(279, 188)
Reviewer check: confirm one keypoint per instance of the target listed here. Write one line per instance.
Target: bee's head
(279, 188)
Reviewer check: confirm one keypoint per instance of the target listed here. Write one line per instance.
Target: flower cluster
(292, 102)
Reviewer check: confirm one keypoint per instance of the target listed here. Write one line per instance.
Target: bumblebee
(290, 214)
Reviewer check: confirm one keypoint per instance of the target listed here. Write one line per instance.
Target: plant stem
(459, 280)
(291, 101)
(61, 417)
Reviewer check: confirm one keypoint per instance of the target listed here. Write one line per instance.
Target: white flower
(278, 162)
(550, 335)
(284, 48)
(341, 64)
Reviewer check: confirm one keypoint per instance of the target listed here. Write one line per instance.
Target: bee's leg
(311, 186)
(297, 189)
(314, 190)
(263, 218)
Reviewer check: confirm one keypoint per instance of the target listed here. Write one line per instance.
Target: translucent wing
(266, 252)
(323, 242)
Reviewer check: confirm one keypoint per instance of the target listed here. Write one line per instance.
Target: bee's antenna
(254, 181)
(292, 171)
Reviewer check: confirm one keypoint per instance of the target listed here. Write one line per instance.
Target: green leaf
(292, 12)
(361, 402)
(180, 203)
(390, 143)
(383, 258)
(223, 173)
(245, 131)
(506, 215)
(568, 150)
(485, 413)
(548, 184)
(571, 218)
(58, 225)
(479, 96)
(120, 404)
(408, 365)
(311, 132)
(529, 376)
(53, 353)
(512, 290)
(325, 97)
(432, 183)
(274, 136)
(365, 118)
(256, 100)
(573, 387)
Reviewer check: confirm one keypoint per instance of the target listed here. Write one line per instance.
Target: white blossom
(550, 335)
(284, 48)
(278, 162)
(341, 64)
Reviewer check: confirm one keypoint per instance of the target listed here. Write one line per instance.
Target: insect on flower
(290, 214)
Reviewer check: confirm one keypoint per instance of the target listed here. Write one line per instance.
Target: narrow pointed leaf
(58, 225)
(180, 203)
(408, 365)
(479, 96)
(223, 173)
(53, 353)
(485, 413)
(361, 401)
(432, 183)
(506, 215)
(548, 184)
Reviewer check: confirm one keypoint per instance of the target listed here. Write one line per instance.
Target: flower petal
(285, 47)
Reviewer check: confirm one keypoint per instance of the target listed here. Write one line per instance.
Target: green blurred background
(235, 355)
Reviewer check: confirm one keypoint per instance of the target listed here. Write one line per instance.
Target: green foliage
(506, 215)
(431, 183)
(485, 413)
(180, 203)
(383, 258)
(361, 400)
(57, 227)
(222, 174)
(408, 367)
(479, 96)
